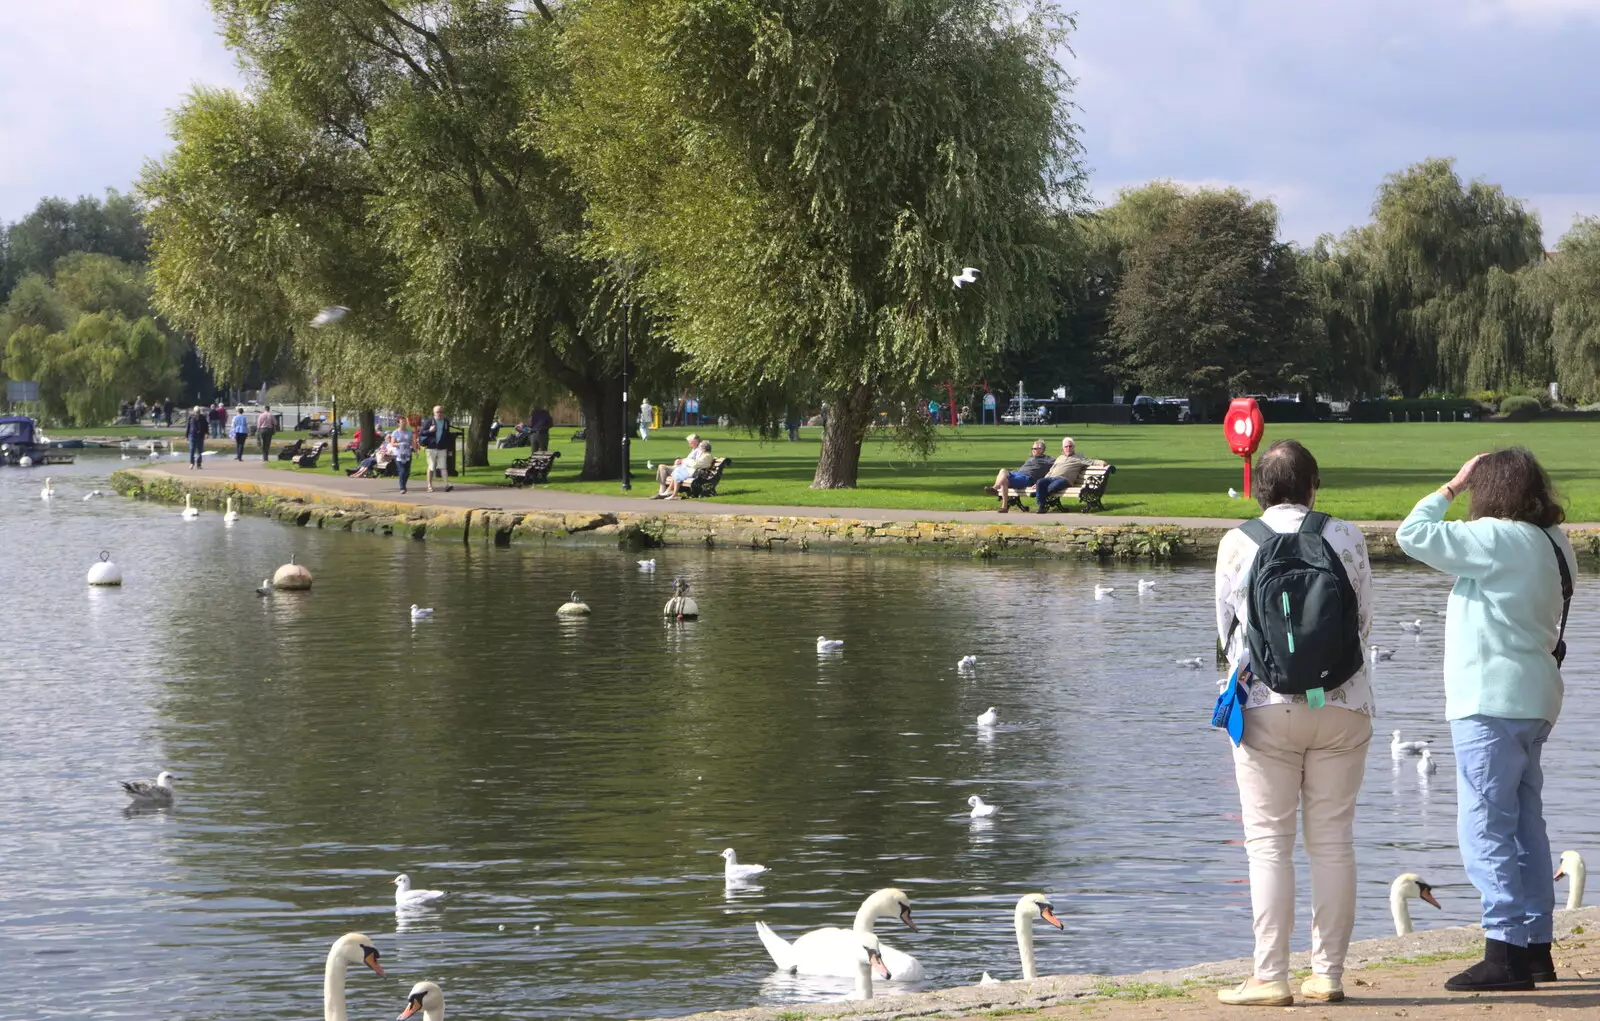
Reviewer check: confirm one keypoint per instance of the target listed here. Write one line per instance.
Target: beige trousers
(1296, 757)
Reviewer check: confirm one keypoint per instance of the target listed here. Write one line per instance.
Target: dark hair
(1511, 484)
(1286, 473)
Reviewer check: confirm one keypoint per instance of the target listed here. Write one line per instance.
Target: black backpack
(1304, 628)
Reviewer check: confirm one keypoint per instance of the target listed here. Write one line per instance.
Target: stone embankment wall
(746, 531)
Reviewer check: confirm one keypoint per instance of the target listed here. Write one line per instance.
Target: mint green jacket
(1504, 610)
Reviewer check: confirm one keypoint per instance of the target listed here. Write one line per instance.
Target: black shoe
(1541, 966)
(1504, 968)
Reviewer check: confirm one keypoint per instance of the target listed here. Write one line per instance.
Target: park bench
(308, 459)
(1088, 491)
(705, 481)
(525, 471)
(292, 451)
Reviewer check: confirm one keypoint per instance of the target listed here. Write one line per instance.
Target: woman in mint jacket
(1503, 693)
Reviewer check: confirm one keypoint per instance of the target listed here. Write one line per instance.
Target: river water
(570, 783)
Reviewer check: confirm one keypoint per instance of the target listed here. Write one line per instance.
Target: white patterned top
(1235, 560)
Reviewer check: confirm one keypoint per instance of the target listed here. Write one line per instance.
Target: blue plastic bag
(1229, 712)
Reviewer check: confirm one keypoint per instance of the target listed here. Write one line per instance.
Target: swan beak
(878, 965)
(411, 1008)
(1560, 872)
(1048, 914)
(1427, 895)
(905, 916)
(370, 959)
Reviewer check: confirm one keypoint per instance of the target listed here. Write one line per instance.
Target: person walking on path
(435, 442)
(1503, 645)
(1307, 718)
(241, 433)
(197, 429)
(266, 425)
(401, 438)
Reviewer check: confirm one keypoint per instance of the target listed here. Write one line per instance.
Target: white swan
(406, 897)
(350, 949)
(1425, 765)
(421, 612)
(829, 644)
(1103, 591)
(1399, 748)
(733, 872)
(232, 515)
(1413, 627)
(833, 950)
(48, 491)
(151, 792)
(1573, 868)
(870, 957)
(1029, 907)
(988, 980)
(1404, 887)
(426, 997)
(981, 809)
(190, 511)
(574, 607)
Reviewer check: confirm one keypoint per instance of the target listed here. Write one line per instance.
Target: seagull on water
(829, 644)
(647, 565)
(1380, 655)
(1103, 591)
(1413, 627)
(1426, 765)
(980, 808)
(406, 897)
(1145, 586)
(968, 275)
(967, 664)
(1400, 749)
(420, 613)
(988, 717)
(265, 589)
(151, 792)
(91, 494)
(1193, 662)
(329, 315)
(733, 872)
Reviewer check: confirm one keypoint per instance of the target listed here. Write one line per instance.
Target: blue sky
(1308, 102)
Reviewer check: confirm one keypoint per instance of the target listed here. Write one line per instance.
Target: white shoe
(1322, 989)
(1267, 994)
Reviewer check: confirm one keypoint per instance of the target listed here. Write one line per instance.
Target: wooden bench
(525, 471)
(1089, 490)
(308, 459)
(706, 480)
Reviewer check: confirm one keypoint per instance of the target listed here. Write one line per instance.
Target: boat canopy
(17, 429)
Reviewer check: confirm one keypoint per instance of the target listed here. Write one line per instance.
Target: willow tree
(1567, 287)
(1425, 295)
(800, 179)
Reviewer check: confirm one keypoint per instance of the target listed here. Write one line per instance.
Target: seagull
(126, 457)
(406, 897)
(968, 275)
(988, 717)
(266, 587)
(151, 792)
(1440, 613)
(829, 644)
(1145, 586)
(1425, 765)
(1193, 662)
(421, 612)
(1102, 591)
(329, 314)
(1399, 748)
(1233, 494)
(648, 465)
(980, 808)
(1412, 627)
(92, 494)
(1380, 655)
(967, 664)
(733, 872)
(647, 565)
(988, 980)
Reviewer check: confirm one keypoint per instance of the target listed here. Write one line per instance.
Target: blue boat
(22, 445)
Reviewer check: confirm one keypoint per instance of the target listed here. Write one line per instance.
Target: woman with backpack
(1294, 605)
(1503, 646)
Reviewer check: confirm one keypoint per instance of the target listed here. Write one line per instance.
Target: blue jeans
(1044, 487)
(1500, 824)
(403, 466)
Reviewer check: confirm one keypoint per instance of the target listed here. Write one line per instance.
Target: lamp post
(334, 406)
(627, 320)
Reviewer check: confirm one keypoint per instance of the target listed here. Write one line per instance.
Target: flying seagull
(968, 275)
(330, 314)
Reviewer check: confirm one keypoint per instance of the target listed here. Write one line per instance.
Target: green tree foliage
(1567, 287)
(1210, 302)
(56, 228)
(800, 179)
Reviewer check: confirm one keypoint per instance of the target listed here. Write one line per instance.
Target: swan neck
(333, 987)
(863, 984)
(867, 914)
(434, 1014)
(1401, 912)
(1576, 879)
(1025, 946)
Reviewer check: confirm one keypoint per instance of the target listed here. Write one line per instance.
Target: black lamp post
(334, 403)
(627, 319)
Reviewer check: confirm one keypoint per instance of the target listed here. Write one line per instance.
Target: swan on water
(833, 950)
(981, 809)
(869, 958)
(1103, 591)
(1413, 627)
(231, 515)
(967, 664)
(829, 644)
(151, 792)
(647, 565)
(1031, 906)
(406, 897)
(1425, 765)
(190, 511)
(347, 951)
(421, 612)
(1573, 868)
(426, 997)
(988, 717)
(733, 872)
(1399, 748)
(1380, 655)
(1192, 663)
(574, 607)
(48, 491)
(1406, 886)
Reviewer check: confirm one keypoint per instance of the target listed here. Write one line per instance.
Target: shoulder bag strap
(1566, 597)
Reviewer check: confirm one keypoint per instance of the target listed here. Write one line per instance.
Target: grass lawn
(1369, 472)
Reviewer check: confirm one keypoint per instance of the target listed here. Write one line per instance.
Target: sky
(1306, 102)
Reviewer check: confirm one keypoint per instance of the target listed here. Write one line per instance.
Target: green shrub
(1520, 408)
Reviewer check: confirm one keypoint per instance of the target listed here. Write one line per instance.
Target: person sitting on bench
(1032, 470)
(1064, 474)
(698, 458)
(664, 470)
(376, 462)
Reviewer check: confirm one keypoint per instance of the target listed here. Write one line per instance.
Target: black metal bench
(526, 471)
(1088, 492)
(706, 480)
(308, 459)
(292, 450)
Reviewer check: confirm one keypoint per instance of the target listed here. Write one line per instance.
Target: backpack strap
(1560, 651)
(1257, 530)
(1313, 523)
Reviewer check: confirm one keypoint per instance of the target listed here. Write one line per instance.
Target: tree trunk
(477, 453)
(367, 422)
(848, 415)
(602, 416)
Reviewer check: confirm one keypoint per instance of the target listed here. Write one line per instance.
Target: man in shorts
(435, 441)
